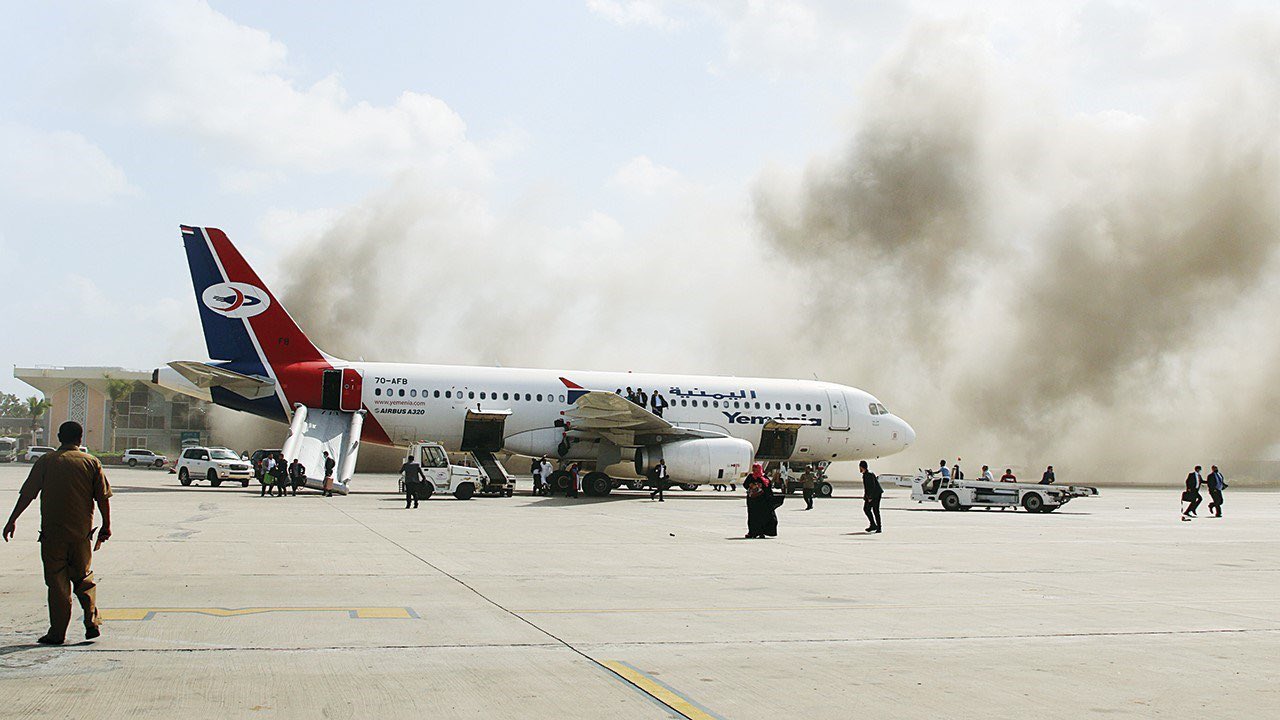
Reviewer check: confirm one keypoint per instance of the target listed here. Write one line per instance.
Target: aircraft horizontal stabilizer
(204, 375)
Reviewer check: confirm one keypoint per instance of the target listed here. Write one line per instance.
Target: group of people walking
(277, 476)
(1215, 483)
(764, 499)
(655, 403)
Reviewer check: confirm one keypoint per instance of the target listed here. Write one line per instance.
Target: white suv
(133, 457)
(35, 451)
(214, 464)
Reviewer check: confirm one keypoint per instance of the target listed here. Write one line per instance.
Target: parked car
(215, 464)
(35, 451)
(133, 457)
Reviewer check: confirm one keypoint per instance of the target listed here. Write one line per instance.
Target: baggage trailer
(966, 494)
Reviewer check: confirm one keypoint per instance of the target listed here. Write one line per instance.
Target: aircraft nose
(906, 434)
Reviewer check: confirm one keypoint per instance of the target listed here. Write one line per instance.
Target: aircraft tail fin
(245, 327)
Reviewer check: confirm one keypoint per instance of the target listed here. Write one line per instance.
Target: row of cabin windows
(471, 395)
(538, 397)
(741, 405)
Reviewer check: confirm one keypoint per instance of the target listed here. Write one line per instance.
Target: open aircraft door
(839, 411)
(341, 390)
(483, 430)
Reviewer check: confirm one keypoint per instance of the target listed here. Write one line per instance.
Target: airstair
(499, 481)
(313, 432)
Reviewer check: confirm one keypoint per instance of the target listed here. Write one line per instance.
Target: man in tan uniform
(68, 482)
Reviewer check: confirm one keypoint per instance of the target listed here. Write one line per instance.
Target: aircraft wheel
(825, 490)
(950, 501)
(184, 477)
(688, 486)
(465, 491)
(559, 481)
(1033, 502)
(597, 483)
(635, 485)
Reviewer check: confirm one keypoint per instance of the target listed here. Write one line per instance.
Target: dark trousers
(265, 489)
(1215, 505)
(657, 491)
(871, 507)
(411, 494)
(67, 570)
(1195, 503)
(808, 498)
(279, 488)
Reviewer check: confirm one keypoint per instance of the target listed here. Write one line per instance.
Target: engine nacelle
(699, 461)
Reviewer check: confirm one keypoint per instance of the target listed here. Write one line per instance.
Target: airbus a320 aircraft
(710, 432)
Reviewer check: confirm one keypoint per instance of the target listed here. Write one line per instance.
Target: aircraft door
(839, 411)
(331, 390)
(352, 389)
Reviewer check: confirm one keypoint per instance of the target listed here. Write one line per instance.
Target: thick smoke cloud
(1072, 287)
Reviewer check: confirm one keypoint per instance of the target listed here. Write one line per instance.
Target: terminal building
(139, 415)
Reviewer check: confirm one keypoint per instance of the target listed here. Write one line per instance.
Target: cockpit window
(874, 408)
(882, 410)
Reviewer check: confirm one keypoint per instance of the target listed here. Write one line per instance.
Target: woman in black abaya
(762, 520)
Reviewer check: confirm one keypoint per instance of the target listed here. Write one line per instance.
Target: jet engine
(700, 460)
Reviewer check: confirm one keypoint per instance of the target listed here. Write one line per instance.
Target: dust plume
(1072, 289)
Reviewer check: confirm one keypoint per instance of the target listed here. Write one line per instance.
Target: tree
(116, 389)
(36, 407)
(12, 406)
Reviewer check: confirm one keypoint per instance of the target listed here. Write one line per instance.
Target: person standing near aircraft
(329, 464)
(871, 494)
(297, 476)
(535, 471)
(69, 483)
(642, 398)
(282, 475)
(412, 481)
(268, 474)
(762, 515)
(1191, 495)
(631, 395)
(659, 403)
(572, 490)
(1048, 477)
(807, 482)
(1216, 485)
(660, 478)
(546, 476)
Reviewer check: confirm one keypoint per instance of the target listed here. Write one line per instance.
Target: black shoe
(878, 530)
(92, 632)
(50, 640)
(870, 529)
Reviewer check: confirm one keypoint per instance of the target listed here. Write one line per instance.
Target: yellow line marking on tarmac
(362, 613)
(658, 691)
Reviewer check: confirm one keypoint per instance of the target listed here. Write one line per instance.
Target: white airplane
(711, 430)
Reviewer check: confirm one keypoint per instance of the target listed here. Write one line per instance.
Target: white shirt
(546, 469)
(986, 475)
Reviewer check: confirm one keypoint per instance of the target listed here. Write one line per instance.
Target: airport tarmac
(224, 604)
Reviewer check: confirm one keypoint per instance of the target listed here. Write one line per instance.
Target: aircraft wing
(204, 375)
(621, 421)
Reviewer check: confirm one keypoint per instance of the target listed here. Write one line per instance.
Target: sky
(634, 184)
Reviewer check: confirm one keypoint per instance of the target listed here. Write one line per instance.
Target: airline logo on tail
(235, 299)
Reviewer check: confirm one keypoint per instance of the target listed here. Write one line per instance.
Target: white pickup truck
(965, 494)
(460, 481)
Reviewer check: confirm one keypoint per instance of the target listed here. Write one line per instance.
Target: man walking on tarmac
(660, 478)
(1216, 485)
(69, 483)
(807, 481)
(329, 465)
(871, 494)
(412, 481)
